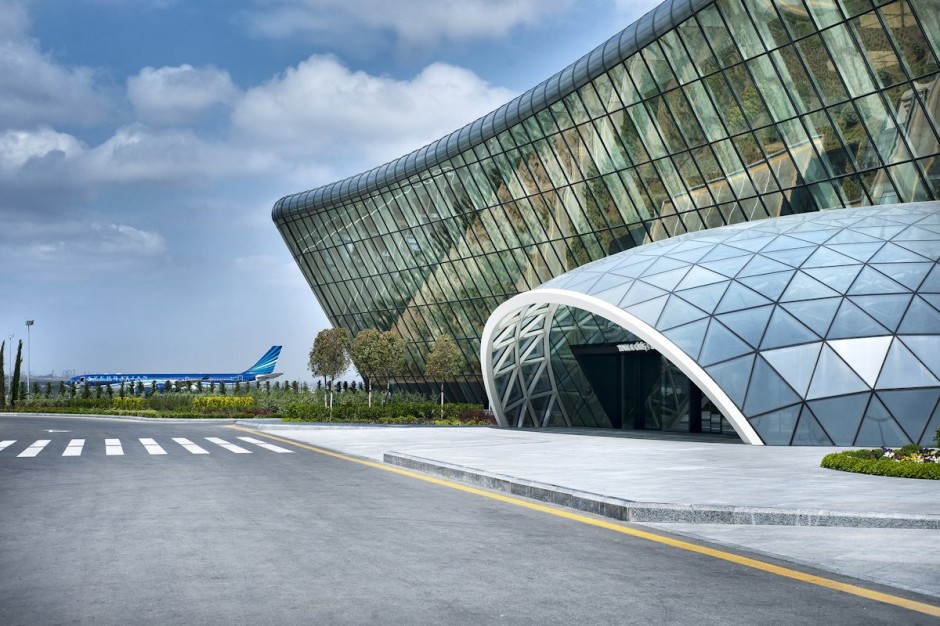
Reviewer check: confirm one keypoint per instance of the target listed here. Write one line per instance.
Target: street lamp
(29, 357)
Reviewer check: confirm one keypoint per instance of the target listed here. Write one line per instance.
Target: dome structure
(814, 329)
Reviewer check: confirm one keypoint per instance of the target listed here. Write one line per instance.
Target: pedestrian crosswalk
(116, 447)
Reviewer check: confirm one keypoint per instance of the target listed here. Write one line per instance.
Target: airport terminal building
(724, 219)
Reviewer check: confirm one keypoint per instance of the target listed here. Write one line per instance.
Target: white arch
(625, 320)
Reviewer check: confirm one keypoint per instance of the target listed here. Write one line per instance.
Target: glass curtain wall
(746, 109)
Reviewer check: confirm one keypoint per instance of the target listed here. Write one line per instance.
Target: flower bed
(911, 461)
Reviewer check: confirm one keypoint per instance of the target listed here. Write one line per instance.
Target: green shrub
(936, 438)
(409, 412)
(864, 462)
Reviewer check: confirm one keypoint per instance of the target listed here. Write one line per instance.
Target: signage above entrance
(636, 346)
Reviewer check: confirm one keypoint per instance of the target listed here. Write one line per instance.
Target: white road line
(35, 449)
(6, 442)
(266, 445)
(74, 448)
(189, 445)
(152, 446)
(112, 447)
(231, 447)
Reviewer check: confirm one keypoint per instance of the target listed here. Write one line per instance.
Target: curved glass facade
(818, 329)
(701, 114)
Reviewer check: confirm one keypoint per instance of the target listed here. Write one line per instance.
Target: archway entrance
(641, 390)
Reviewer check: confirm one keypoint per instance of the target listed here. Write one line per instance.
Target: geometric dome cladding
(814, 329)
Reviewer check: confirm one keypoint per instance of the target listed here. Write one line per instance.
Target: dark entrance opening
(641, 390)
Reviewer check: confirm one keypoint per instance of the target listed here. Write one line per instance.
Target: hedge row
(392, 413)
(861, 462)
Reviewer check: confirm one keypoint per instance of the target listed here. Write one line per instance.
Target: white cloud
(18, 147)
(321, 108)
(171, 95)
(412, 22)
(35, 89)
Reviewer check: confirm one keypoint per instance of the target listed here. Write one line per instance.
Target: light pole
(29, 357)
(10, 371)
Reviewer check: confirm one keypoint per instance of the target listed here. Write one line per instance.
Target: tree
(444, 361)
(377, 356)
(329, 356)
(3, 382)
(15, 383)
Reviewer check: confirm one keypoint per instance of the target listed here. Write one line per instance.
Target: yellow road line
(920, 607)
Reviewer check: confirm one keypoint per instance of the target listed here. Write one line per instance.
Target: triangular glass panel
(892, 253)
(705, 298)
(724, 252)
(920, 318)
(804, 287)
(776, 428)
(769, 285)
(841, 416)
(748, 241)
(870, 281)
(824, 257)
(812, 233)
(915, 233)
(748, 324)
(667, 280)
(833, 377)
(689, 337)
(664, 264)
(739, 297)
(616, 294)
(879, 428)
(727, 267)
(762, 265)
(911, 409)
(858, 251)
(880, 232)
(607, 281)
(851, 236)
(583, 282)
(808, 432)
(887, 309)
(865, 355)
(838, 278)
(930, 432)
(633, 270)
(793, 258)
(902, 370)
(926, 348)
(784, 242)
(932, 283)
(678, 312)
(816, 314)
(699, 276)
(732, 376)
(690, 256)
(851, 321)
(911, 275)
(795, 364)
(648, 311)
(926, 249)
(767, 390)
(785, 330)
(641, 292)
(720, 344)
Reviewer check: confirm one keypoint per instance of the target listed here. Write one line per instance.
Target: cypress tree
(15, 383)
(3, 380)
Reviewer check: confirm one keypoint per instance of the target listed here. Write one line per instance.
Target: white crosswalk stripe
(74, 448)
(189, 445)
(152, 446)
(112, 447)
(35, 449)
(6, 442)
(266, 445)
(231, 447)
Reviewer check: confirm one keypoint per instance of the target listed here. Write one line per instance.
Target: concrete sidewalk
(771, 500)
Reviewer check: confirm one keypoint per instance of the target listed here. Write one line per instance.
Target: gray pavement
(780, 501)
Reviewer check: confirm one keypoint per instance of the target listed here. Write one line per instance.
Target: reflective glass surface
(739, 110)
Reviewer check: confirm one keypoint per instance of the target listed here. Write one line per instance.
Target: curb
(653, 512)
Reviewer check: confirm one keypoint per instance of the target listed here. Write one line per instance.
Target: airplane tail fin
(265, 364)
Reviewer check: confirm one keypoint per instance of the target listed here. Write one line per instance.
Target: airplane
(260, 371)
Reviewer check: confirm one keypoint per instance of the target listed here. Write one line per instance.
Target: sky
(143, 144)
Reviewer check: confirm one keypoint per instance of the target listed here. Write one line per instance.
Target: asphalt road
(273, 537)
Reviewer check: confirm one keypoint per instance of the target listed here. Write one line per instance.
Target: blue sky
(144, 142)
